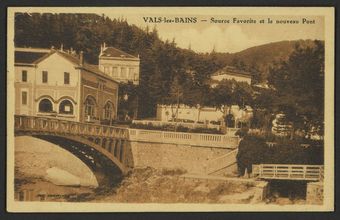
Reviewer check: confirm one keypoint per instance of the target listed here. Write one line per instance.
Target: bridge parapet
(192, 139)
(289, 171)
(57, 126)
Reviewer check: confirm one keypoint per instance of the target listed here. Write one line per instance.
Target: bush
(215, 122)
(254, 150)
(206, 130)
(179, 128)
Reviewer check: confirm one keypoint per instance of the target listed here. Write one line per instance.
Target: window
(24, 76)
(108, 111)
(115, 72)
(90, 105)
(106, 70)
(131, 71)
(44, 76)
(66, 78)
(110, 68)
(136, 76)
(123, 73)
(66, 107)
(45, 105)
(24, 98)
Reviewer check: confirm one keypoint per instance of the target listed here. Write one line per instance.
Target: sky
(229, 37)
(222, 37)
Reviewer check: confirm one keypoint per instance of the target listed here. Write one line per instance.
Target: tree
(175, 97)
(128, 99)
(242, 93)
(231, 92)
(299, 85)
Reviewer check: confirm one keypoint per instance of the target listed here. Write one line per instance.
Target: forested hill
(87, 31)
(261, 58)
(161, 61)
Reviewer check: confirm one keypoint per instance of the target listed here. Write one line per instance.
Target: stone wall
(314, 193)
(193, 159)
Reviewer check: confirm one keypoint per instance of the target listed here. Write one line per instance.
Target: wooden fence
(289, 171)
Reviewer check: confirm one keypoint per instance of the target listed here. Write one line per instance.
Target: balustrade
(41, 124)
(210, 140)
(32, 123)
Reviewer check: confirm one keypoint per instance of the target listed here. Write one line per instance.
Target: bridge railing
(57, 126)
(288, 171)
(52, 125)
(193, 139)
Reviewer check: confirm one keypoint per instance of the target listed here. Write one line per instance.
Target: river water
(34, 157)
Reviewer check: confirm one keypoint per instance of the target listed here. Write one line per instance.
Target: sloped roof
(28, 57)
(114, 52)
(231, 70)
(88, 67)
(72, 58)
(36, 57)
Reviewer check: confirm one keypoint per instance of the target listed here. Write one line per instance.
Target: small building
(189, 114)
(121, 66)
(56, 83)
(229, 73)
(205, 114)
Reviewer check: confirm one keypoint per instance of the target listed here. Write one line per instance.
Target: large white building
(121, 66)
(205, 114)
(229, 73)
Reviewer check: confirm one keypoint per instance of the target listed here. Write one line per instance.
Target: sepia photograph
(189, 109)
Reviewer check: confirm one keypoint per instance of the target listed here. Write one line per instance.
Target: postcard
(170, 109)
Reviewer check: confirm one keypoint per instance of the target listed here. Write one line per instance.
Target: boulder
(61, 177)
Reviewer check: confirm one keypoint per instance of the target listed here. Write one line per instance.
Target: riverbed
(34, 157)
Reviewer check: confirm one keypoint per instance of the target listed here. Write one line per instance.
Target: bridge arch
(97, 141)
(90, 154)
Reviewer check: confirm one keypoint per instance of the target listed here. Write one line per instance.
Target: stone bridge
(98, 146)
(116, 150)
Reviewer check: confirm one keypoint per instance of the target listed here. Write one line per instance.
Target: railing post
(59, 127)
(321, 173)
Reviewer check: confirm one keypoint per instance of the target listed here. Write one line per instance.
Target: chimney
(101, 49)
(81, 58)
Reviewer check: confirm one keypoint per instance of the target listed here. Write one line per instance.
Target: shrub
(206, 130)
(179, 128)
(254, 150)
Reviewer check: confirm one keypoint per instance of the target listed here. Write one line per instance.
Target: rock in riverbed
(61, 177)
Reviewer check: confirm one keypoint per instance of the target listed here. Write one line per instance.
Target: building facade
(205, 114)
(121, 66)
(56, 83)
(230, 73)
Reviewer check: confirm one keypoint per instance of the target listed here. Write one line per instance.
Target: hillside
(263, 56)
(266, 54)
